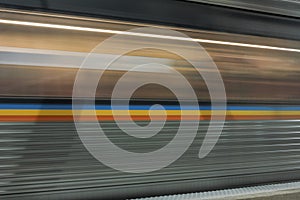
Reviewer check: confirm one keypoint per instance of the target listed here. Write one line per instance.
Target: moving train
(42, 154)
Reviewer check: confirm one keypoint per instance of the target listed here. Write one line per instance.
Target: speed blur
(43, 156)
(42, 62)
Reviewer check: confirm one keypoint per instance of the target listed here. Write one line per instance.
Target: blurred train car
(42, 155)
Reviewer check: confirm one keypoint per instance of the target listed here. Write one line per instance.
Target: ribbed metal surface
(38, 159)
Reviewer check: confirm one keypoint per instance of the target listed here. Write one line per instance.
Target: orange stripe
(66, 118)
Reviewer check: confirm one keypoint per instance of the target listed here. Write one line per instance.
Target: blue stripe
(142, 107)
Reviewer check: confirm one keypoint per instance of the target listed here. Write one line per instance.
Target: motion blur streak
(41, 154)
(76, 28)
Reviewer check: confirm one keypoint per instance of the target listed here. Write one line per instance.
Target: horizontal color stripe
(140, 118)
(143, 112)
(142, 107)
(63, 112)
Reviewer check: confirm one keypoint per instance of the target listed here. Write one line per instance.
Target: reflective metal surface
(42, 158)
(281, 7)
(39, 61)
(48, 158)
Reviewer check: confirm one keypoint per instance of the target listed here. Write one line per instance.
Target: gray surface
(178, 13)
(272, 191)
(38, 159)
(293, 195)
(280, 7)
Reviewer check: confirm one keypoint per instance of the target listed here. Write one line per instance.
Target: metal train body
(42, 155)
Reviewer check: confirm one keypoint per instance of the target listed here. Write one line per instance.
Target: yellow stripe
(102, 112)
(140, 112)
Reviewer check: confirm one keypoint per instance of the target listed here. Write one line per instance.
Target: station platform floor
(280, 191)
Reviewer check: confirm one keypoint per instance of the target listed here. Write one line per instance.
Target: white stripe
(78, 28)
